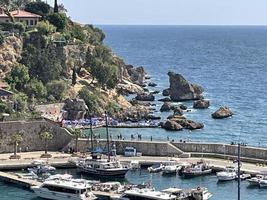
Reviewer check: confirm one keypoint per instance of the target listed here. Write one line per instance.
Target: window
(60, 189)
(31, 22)
(27, 22)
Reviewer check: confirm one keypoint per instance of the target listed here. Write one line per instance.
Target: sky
(168, 12)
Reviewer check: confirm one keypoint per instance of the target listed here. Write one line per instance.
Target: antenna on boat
(91, 131)
(106, 117)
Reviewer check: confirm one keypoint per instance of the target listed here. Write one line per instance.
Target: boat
(64, 189)
(171, 168)
(42, 169)
(179, 193)
(147, 194)
(155, 168)
(29, 176)
(245, 176)
(59, 177)
(229, 173)
(134, 165)
(103, 167)
(199, 169)
(255, 181)
(201, 194)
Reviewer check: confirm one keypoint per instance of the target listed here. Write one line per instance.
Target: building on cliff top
(30, 19)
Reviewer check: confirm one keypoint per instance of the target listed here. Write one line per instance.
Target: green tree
(59, 20)
(45, 28)
(18, 77)
(36, 88)
(57, 89)
(46, 136)
(91, 100)
(2, 39)
(78, 32)
(20, 102)
(38, 7)
(55, 6)
(77, 133)
(16, 138)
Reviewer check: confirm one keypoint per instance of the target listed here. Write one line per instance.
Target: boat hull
(107, 173)
(194, 174)
(46, 194)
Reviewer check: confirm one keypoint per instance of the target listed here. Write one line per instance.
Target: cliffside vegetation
(48, 69)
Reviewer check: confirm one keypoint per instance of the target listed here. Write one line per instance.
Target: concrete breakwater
(176, 149)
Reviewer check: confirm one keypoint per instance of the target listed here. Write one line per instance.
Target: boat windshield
(61, 189)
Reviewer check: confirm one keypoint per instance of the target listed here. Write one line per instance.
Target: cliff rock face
(182, 90)
(10, 52)
(75, 109)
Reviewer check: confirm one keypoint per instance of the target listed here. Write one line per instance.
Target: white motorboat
(64, 189)
(41, 169)
(155, 168)
(263, 182)
(255, 181)
(59, 177)
(147, 194)
(201, 194)
(229, 173)
(171, 168)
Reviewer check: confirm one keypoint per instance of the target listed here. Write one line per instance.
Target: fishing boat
(201, 194)
(199, 169)
(255, 181)
(155, 168)
(64, 189)
(147, 194)
(229, 173)
(171, 168)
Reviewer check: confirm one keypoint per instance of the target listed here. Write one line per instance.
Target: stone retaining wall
(31, 139)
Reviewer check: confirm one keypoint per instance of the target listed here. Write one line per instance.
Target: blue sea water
(229, 62)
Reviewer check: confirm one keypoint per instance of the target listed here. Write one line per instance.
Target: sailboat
(103, 167)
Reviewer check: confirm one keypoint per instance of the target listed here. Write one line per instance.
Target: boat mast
(91, 130)
(238, 171)
(106, 117)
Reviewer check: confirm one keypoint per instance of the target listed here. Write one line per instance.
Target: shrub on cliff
(57, 89)
(11, 27)
(2, 38)
(45, 28)
(38, 7)
(59, 20)
(18, 77)
(36, 89)
(91, 100)
(20, 102)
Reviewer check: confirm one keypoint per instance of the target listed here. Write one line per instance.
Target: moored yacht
(155, 168)
(147, 194)
(201, 168)
(171, 168)
(229, 173)
(201, 194)
(64, 189)
(255, 181)
(103, 167)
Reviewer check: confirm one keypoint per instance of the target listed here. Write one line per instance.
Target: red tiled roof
(21, 14)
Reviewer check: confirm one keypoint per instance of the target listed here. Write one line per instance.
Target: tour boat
(155, 168)
(201, 168)
(147, 194)
(64, 189)
(103, 167)
(229, 173)
(171, 168)
(255, 181)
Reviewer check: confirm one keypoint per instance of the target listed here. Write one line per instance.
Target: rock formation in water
(172, 126)
(182, 90)
(145, 97)
(165, 107)
(201, 104)
(222, 112)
